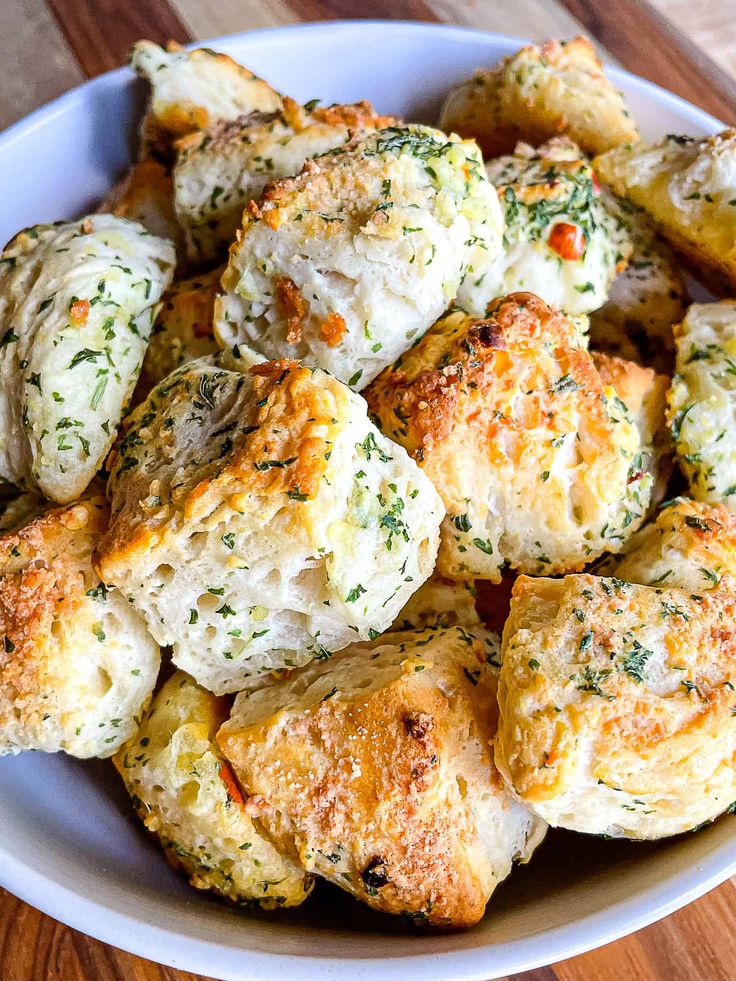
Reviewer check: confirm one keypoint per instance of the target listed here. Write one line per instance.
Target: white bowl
(68, 844)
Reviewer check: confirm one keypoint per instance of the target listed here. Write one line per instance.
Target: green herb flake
(354, 593)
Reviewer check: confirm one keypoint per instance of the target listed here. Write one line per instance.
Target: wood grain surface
(46, 46)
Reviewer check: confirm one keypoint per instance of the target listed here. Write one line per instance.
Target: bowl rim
(116, 76)
(101, 920)
(482, 963)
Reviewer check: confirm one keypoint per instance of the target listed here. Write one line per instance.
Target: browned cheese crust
(376, 772)
(294, 420)
(489, 407)
(42, 588)
(618, 703)
(76, 664)
(540, 92)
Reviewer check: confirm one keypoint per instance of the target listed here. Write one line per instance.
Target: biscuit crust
(539, 463)
(77, 302)
(185, 793)
(77, 665)
(617, 704)
(374, 239)
(219, 170)
(554, 89)
(685, 185)
(260, 520)
(376, 770)
(191, 90)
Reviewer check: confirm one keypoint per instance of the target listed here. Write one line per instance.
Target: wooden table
(47, 47)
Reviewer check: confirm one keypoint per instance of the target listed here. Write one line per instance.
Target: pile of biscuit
(308, 378)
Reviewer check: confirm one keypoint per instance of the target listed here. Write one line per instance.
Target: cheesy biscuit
(618, 704)
(539, 92)
(260, 520)
(77, 665)
(77, 302)
(539, 462)
(185, 793)
(348, 263)
(376, 769)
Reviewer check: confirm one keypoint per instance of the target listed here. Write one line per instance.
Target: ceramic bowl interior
(68, 844)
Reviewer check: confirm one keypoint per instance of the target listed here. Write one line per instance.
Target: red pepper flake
(291, 305)
(567, 240)
(228, 778)
(79, 311)
(332, 330)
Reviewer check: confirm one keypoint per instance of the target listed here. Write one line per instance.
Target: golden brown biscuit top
(690, 545)
(45, 577)
(291, 119)
(207, 435)
(578, 53)
(539, 92)
(685, 184)
(632, 381)
(356, 115)
(390, 746)
(640, 672)
(555, 171)
(519, 376)
(705, 533)
(336, 192)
